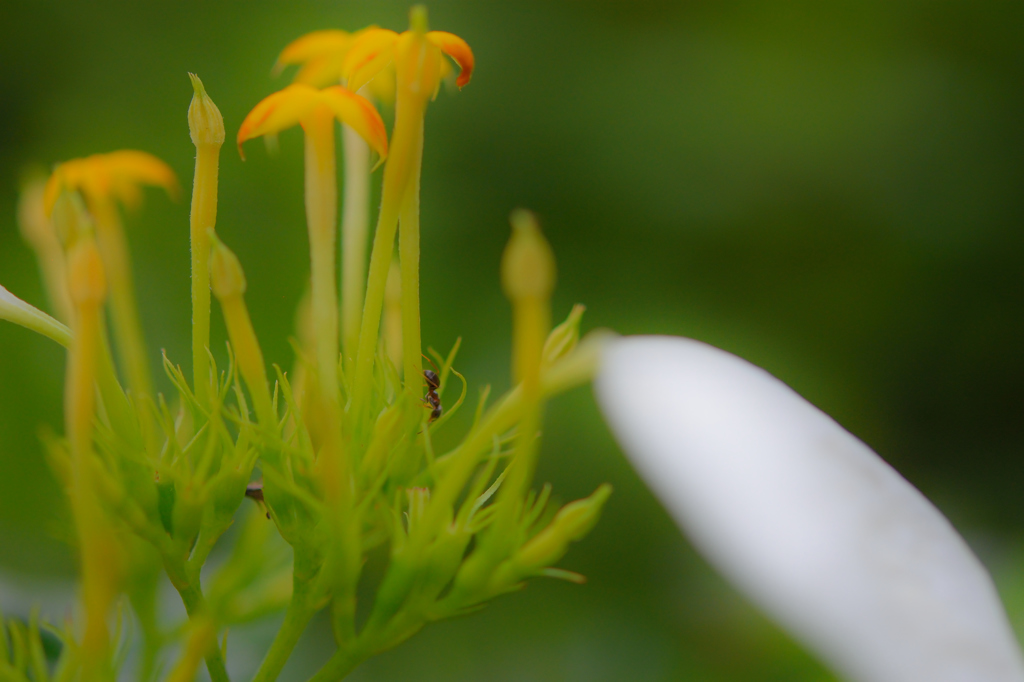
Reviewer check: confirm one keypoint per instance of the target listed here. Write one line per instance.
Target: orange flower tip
(459, 50)
(86, 280)
(226, 276)
(311, 46)
(205, 123)
(418, 18)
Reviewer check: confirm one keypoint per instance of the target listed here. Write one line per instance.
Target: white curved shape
(804, 518)
(15, 310)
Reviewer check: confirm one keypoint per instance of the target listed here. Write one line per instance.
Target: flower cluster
(338, 453)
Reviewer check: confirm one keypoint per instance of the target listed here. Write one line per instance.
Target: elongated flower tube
(97, 547)
(320, 55)
(102, 179)
(804, 518)
(418, 61)
(206, 127)
(315, 110)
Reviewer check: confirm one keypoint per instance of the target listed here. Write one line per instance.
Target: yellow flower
(117, 175)
(419, 66)
(315, 110)
(420, 70)
(103, 179)
(298, 103)
(320, 55)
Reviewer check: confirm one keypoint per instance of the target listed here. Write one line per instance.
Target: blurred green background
(831, 190)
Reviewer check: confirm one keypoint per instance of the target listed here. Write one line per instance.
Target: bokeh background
(832, 190)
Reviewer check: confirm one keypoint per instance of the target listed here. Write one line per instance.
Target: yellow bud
(571, 523)
(528, 265)
(86, 280)
(563, 338)
(205, 124)
(226, 276)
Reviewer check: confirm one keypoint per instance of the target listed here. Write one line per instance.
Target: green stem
(203, 218)
(195, 604)
(405, 141)
(409, 255)
(296, 618)
(338, 667)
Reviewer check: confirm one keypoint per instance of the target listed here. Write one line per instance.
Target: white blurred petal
(15, 310)
(804, 518)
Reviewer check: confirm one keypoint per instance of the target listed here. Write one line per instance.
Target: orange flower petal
(370, 52)
(313, 45)
(456, 48)
(281, 110)
(358, 113)
(114, 175)
(128, 168)
(320, 71)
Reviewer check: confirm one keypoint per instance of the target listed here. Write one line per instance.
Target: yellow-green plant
(343, 445)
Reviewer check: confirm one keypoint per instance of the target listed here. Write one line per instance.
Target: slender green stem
(195, 604)
(409, 255)
(296, 618)
(355, 225)
(405, 140)
(338, 667)
(203, 218)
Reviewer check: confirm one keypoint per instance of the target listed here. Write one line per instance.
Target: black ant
(432, 398)
(254, 491)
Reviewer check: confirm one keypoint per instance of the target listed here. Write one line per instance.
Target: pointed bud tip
(528, 265)
(197, 84)
(226, 275)
(205, 123)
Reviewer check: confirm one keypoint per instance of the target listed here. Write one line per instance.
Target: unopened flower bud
(563, 338)
(226, 275)
(86, 279)
(528, 265)
(571, 523)
(205, 124)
